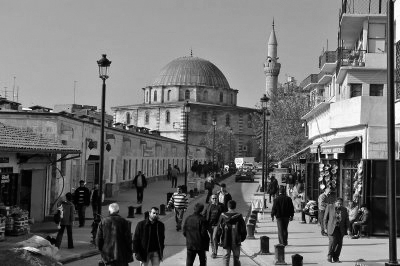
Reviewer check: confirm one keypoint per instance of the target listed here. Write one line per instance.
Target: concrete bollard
(131, 212)
(250, 231)
(279, 255)
(253, 221)
(297, 260)
(254, 213)
(162, 209)
(139, 209)
(264, 245)
(253, 216)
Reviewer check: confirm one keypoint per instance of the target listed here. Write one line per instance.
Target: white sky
(49, 44)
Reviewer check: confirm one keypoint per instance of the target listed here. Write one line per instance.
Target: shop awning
(337, 145)
(300, 152)
(314, 147)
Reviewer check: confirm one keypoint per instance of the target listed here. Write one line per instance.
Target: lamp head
(187, 107)
(214, 122)
(264, 101)
(104, 65)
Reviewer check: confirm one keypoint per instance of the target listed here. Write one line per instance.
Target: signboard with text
(329, 150)
(5, 179)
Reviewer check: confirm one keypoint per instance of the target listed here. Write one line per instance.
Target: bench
(364, 230)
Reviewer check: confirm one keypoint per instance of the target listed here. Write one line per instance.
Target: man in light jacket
(67, 209)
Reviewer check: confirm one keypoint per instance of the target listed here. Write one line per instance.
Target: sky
(50, 47)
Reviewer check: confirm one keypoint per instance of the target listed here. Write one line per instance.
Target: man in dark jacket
(81, 200)
(272, 188)
(233, 233)
(337, 225)
(283, 210)
(114, 239)
(148, 240)
(223, 196)
(197, 240)
(212, 214)
(140, 183)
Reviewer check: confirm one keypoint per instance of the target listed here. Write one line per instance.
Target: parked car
(243, 175)
(258, 166)
(249, 166)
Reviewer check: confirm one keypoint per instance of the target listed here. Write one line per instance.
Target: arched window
(221, 97)
(249, 121)
(128, 118)
(205, 96)
(146, 117)
(187, 95)
(167, 117)
(147, 96)
(204, 118)
(228, 120)
(169, 95)
(231, 98)
(155, 96)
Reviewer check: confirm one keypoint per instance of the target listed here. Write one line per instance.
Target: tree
(223, 139)
(286, 134)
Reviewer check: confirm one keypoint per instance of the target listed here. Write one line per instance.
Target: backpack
(230, 229)
(57, 217)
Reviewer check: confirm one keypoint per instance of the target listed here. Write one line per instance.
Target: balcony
(316, 100)
(324, 77)
(309, 82)
(327, 61)
(363, 7)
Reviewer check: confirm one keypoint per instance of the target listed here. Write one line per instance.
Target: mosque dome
(191, 71)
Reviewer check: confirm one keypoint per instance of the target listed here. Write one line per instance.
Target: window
(63, 163)
(169, 95)
(111, 170)
(249, 121)
(124, 169)
(376, 90)
(167, 117)
(231, 98)
(228, 120)
(128, 118)
(187, 95)
(146, 118)
(147, 96)
(204, 118)
(355, 90)
(155, 96)
(130, 169)
(376, 38)
(205, 96)
(221, 97)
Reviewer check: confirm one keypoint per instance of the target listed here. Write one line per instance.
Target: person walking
(169, 169)
(197, 239)
(272, 189)
(212, 213)
(336, 225)
(114, 239)
(327, 197)
(82, 200)
(174, 176)
(283, 210)
(94, 199)
(67, 219)
(179, 202)
(140, 183)
(224, 197)
(148, 240)
(209, 185)
(233, 233)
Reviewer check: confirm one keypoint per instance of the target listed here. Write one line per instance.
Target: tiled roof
(16, 139)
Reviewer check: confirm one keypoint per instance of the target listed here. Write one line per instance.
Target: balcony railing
(327, 57)
(315, 100)
(363, 7)
(322, 74)
(312, 78)
(349, 57)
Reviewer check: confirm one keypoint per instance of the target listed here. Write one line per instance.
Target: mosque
(203, 85)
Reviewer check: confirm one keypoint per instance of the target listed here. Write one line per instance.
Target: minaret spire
(191, 52)
(271, 65)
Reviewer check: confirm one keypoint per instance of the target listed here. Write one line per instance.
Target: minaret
(271, 66)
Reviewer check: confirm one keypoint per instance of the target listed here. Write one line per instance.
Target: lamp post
(214, 123)
(230, 145)
(186, 109)
(264, 102)
(103, 64)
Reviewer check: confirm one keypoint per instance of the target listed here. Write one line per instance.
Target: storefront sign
(4, 160)
(5, 179)
(6, 170)
(329, 150)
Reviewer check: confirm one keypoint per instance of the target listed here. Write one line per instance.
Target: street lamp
(264, 105)
(214, 123)
(186, 109)
(103, 64)
(230, 145)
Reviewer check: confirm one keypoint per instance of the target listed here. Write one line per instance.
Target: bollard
(252, 221)
(297, 260)
(191, 193)
(250, 231)
(139, 209)
(131, 212)
(162, 209)
(253, 216)
(169, 195)
(280, 255)
(264, 245)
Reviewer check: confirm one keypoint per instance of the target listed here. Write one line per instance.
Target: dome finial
(273, 23)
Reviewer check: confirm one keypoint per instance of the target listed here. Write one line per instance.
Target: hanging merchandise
(358, 182)
(328, 175)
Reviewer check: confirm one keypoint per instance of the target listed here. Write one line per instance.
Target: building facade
(201, 84)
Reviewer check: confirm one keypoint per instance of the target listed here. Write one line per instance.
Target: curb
(80, 256)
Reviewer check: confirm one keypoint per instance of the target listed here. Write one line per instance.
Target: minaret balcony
(309, 82)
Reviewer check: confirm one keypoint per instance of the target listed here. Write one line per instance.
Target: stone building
(200, 83)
